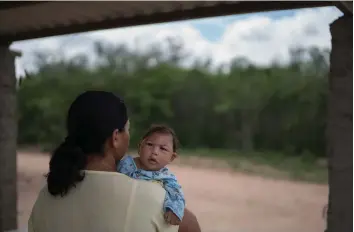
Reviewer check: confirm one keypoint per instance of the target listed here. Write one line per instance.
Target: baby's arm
(174, 199)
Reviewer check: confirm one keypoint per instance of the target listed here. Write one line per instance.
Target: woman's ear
(115, 140)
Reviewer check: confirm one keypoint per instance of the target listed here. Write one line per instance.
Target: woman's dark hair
(163, 129)
(91, 120)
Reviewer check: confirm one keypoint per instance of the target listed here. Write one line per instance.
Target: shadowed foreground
(223, 201)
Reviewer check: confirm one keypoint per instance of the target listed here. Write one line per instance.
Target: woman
(84, 192)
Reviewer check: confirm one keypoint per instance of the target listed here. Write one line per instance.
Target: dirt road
(223, 201)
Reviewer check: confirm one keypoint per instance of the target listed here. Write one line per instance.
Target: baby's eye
(163, 148)
(149, 144)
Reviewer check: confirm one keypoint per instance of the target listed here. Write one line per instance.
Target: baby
(157, 149)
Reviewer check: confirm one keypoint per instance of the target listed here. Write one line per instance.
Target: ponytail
(65, 168)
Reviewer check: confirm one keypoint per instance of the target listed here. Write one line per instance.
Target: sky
(262, 38)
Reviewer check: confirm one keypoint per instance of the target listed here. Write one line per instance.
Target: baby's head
(158, 147)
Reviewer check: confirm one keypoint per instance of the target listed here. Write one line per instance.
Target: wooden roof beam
(221, 9)
(345, 6)
(6, 5)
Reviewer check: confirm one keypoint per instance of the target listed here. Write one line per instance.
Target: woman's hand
(189, 223)
(171, 218)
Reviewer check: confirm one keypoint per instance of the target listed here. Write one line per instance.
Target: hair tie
(70, 144)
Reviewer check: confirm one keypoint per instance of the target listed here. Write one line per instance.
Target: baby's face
(156, 151)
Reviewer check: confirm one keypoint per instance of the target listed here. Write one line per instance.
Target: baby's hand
(171, 218)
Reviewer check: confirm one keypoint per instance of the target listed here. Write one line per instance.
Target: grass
(269, 164)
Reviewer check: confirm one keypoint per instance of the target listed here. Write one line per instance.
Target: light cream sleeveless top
(102, 202)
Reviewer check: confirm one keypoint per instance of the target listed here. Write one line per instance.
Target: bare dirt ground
(223, 200)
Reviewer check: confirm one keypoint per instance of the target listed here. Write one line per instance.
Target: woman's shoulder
(104, 180)
(110, 193)
(121, 182)
(108, 187)
(121, 189)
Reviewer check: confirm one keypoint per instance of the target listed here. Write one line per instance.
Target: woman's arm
(189, 223)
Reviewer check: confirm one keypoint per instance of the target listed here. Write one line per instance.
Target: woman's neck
(105, 164)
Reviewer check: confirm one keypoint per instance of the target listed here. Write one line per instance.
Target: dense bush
(280, 108)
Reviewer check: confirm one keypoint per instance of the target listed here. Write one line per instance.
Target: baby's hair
(163, 129)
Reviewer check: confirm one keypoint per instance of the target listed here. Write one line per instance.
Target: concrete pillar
(8, 141)
(340, 127)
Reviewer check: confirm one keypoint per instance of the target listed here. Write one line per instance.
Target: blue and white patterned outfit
(174, 199)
